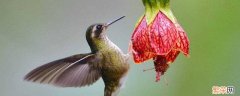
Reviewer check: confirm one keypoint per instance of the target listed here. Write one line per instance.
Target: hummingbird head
(96, 34)
(96, 31)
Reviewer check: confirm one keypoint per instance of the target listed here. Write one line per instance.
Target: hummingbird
(105, 60)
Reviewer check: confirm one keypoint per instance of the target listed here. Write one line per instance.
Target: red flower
(161, 40)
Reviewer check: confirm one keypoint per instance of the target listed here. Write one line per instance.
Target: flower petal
(183, 41)
(171, 56)
(163, 34)
(141, 47)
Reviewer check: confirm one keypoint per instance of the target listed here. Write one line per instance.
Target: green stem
(164, 6)
(163, 3)
(151, 10)
(152, 7)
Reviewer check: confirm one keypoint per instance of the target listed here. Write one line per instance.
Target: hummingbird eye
(99, 27)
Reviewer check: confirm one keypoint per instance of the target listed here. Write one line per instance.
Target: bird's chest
(114, 67)
(113, 59)
(113, 64)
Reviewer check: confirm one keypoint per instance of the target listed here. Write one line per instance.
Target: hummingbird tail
(111, 91)
(114, 90)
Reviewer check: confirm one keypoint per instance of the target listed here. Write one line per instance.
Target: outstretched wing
(73, 71)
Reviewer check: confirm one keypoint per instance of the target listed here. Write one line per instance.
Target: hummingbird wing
(73, 71)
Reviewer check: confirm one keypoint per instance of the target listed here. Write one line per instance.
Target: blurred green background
(34, 32)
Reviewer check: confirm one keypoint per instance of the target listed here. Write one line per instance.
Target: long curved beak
(110, 23)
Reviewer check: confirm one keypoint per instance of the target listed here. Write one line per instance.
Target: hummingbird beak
(110, 23)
